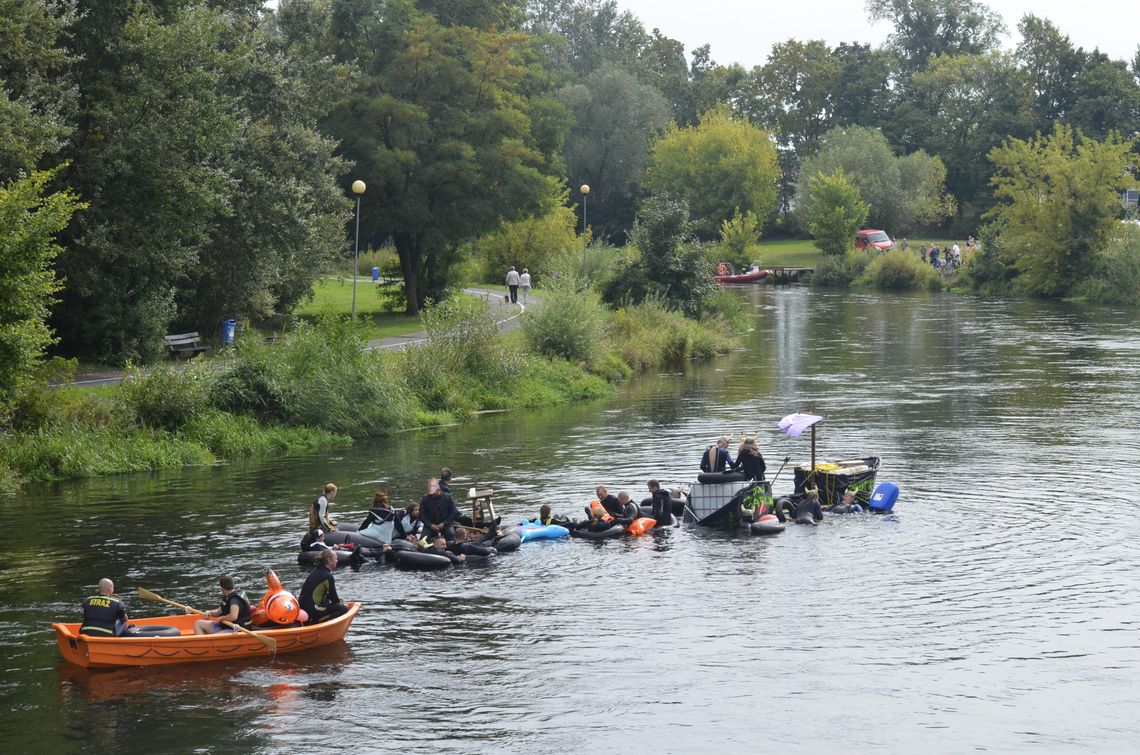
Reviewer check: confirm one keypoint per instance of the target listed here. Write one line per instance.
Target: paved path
(507, 316)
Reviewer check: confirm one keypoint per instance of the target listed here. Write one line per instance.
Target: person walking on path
(524, 281)
(513, 284)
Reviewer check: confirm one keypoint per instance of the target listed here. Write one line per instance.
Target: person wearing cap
(318, 596)
(750, 461)
(438, 512)
(317, 542)
(319, 511)
(104, 615)
(716, 458)
(808, 510)
(234, 609)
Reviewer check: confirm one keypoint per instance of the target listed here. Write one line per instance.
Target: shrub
(836, 271)
(650, 334)
(231, 436)
(569, 324)
(383, 257)
(898, 270)
(167, 398)
(1115, 277)
(530, 243)
(731, 308)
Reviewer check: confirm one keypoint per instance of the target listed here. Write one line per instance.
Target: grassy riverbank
(318, 388)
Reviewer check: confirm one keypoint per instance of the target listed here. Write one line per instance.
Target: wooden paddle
(268, 642)
(781, 469)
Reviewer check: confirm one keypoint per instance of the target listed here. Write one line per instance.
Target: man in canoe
(318, 596)
(234, 609)
(104, 615)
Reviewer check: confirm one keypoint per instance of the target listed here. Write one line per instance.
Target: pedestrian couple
(515, 281)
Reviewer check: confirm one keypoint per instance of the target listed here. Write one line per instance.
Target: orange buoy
(641, 525)
(768, 518)
(261, 613)
(283, 608)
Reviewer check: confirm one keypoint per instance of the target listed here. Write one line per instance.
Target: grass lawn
(334, 297)
(788, 253)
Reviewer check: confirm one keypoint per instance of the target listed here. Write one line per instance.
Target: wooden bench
(184, 343)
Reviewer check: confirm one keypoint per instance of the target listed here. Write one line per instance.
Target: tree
(615, 119)
(449, 125)
(211, 192)
(791, 93)
(738, 239)
(834, 211)
(721, 165)
(900, 192)
(925, 29)
(1052, 64)
(670, 264)
(29, 221)
(1061, 200)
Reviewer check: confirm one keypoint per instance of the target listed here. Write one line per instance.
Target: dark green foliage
(671, 265)
(569, 323)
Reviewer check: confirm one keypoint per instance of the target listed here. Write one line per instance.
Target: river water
(997, 609)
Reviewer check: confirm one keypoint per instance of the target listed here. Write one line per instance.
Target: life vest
(599, 511)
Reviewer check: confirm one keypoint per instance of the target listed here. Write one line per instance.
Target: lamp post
(358, 188)
(585, 190)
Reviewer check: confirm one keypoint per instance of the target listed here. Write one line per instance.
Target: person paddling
(234, 609)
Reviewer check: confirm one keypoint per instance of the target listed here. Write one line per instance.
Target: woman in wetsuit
(750, 461)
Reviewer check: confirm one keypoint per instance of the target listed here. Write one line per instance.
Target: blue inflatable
(530, 532)
(883, 499)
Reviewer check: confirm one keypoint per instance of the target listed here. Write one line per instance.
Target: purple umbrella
(795, 424)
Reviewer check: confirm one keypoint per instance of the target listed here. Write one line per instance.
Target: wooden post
(813, 449)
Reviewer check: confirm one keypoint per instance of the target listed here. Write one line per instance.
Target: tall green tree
(37, 92)
(900, 192)
(719, 167)
(451, 126)
(616, 117)
(925, 29)
(1060, 200)
(834, 211)
(30, 218)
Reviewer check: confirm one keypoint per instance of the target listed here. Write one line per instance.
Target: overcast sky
(743, 31)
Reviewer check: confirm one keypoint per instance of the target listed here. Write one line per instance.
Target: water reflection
(997, 597)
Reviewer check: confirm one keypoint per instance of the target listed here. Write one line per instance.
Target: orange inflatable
(277, 605)
(641, 525)
(599, 511)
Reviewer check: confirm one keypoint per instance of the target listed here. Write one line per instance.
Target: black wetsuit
(439, 509)
(376, 516)
(318, 596)
(751, 464)
(103, 616)
(808, 511)
(723, 460)
(662, 507)
(455, 560)
(612, 505)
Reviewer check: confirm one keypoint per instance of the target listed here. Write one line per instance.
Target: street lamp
(585, 190)
(358, 188)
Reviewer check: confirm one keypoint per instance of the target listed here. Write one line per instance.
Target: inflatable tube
(766, 525)
(715, 477)
(476, 560)
(509, 542)
(415, 561)
(786, 506)
(641, 525)
(663, 525)
(482, 551)
(547, 532)
(340, 538)
(615, 531)
(847, 508)
(152, 630)
(309, 558)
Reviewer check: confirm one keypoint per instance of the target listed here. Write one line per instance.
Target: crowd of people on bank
(948, 258)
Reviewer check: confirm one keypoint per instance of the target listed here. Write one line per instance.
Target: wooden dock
(782, 276)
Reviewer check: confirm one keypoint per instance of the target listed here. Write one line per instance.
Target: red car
(871, 239)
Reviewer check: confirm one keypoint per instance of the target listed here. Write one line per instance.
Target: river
(995, 610)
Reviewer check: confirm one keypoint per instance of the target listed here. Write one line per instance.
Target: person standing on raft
(750, 461)
(717, 458)
(104, 615)
(662, 504)
(319, 511)
(318, 596)
(234, 609)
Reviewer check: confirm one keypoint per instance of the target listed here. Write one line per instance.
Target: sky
(743, 31)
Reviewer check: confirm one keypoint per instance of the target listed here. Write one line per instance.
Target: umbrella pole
(813, 449)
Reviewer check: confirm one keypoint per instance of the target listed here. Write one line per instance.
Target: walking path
(506, 315)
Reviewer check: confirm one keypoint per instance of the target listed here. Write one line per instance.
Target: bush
(570, 324)
(167, 398)
(596, 262)
(530, 243)
(384, 257)
(231, 436)
(731, 308)
(650, 334)
(1115, 278)
(836, 271)
(899, 271)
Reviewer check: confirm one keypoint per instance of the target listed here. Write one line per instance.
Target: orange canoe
(187, 647)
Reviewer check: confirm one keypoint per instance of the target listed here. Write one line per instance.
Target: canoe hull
(114, 652)
(743, 278)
